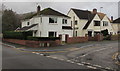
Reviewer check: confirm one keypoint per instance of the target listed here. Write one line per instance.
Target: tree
(10, 20)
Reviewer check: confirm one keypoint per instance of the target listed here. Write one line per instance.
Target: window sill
(53, 24)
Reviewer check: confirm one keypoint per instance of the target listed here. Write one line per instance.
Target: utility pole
(100, 22)
(74, 26)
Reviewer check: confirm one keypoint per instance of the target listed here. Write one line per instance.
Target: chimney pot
(38, 9)
(112, 18)
(94, 11)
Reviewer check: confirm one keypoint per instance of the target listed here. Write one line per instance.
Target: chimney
(111, 18)
(94, 11)
(38, 9)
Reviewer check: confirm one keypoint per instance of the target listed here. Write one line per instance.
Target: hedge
(43, 38)
(17, 35)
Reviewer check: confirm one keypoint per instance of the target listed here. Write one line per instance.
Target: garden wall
(97, 37)
(31, 43)
(76, 39)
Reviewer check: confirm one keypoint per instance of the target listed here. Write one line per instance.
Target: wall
(115, 37)
(24, 23)
(76, 39)
(97, 37)
(31, 43)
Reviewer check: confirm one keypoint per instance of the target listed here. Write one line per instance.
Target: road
(15, 59)
(95, 55)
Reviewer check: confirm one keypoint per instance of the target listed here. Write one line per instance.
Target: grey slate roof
(117, 20)
(82, 14)
(27, 27)
(47, 11)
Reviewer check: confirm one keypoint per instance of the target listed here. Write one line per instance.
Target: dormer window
(52, 20)
(28, 23)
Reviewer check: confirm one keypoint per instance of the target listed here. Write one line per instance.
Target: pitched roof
(47, 11)
(101, 15)
(27, 27)
(82, 14)
(116, 20)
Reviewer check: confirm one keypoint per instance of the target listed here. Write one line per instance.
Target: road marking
(37, 53)
(72, 62)
(80, 64)
(107, 68)
(68, 60)
(91, 67)
(61, 59)
(41, 54)
(97, 66)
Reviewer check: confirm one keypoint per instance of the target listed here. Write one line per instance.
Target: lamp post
(100, 22)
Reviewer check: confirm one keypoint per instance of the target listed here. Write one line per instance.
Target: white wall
(80, 25)
(56, 27)
(24, 23)
(109, 27)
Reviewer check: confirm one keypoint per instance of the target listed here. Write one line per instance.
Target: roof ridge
(80, 9)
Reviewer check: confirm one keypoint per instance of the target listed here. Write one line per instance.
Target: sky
(110, 7)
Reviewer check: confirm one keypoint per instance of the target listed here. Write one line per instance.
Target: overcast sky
(109, 8)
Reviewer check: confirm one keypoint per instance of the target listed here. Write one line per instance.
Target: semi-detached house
(48, 23)
(89, 22)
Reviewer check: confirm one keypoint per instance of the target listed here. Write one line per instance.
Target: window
(76, 22)
(76, 34)
(52, 20)
(52, 34)
(64, 21)
(28, 23)
(96, 23)
(105, 23)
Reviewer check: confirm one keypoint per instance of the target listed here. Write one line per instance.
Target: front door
(90, 33)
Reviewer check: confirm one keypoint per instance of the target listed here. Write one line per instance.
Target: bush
(16, 35)
(108, 37)
(43, 38)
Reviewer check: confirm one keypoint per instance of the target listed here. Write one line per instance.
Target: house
(90, 23)
(47, 23)
(116, 25)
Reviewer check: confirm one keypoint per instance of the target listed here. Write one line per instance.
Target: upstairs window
(64, 21)
(96, 23)
(28, 23)
(76, 22)
(105, 23)
(52, 20)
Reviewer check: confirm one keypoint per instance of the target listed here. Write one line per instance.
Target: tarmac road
(15, 59)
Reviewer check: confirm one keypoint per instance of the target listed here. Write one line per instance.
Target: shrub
(43, 38)
(16, 35)
(108, 37)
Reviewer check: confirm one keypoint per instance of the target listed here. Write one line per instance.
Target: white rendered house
(48, 23)
(87, 22)
(116, 25)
